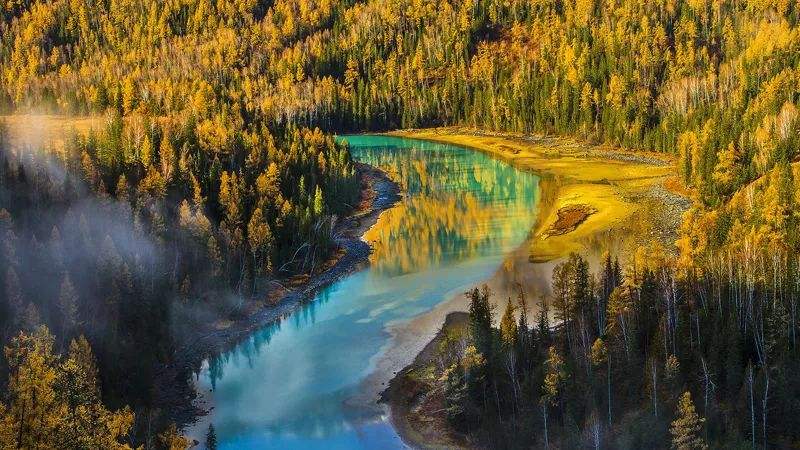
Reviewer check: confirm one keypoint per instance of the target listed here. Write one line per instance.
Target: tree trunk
(764, 407)
(752, 406)
(609, 388)
(655, 387)
(544, 414)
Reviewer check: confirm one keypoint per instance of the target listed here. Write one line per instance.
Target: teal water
(288, 385)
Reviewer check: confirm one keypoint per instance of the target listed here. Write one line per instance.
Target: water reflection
(287, 385)
(250, 348)
(460, 204)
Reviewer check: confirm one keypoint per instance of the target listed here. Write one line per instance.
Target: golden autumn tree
(55, 402)
(508, 326)
(555, 375)
(260, 239)
(687, 428)
(171, 439)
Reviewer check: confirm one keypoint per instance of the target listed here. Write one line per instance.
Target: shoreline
(379, 193)
(592, 197)
(405, 394)
(628, 193)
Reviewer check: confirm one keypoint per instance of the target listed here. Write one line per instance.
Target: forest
(217, 170)
(134, 267)
(637, 358)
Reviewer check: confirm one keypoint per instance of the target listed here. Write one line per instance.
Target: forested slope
(211, 155)
(714, 82)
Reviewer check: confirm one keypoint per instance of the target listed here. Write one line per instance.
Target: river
(292, 384)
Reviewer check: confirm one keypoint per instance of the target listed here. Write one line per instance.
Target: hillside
(713, 83)
(214, 168)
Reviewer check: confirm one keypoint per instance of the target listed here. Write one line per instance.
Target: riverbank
(378, 193)
(416, 415)
(629, 198)
(593, 199)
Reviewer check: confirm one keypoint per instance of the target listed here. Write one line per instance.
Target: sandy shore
(623, 199)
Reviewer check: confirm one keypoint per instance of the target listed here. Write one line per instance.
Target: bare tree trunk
(655, 387)
(673, 314)
(708, 384)
(609, 388)
(697, 322)
(624, 332)
(752, 405)
(496, 399)
(764, 406)
(594, 429)
(148, 443)
(544, 414)
(511, 370)
(586, 346)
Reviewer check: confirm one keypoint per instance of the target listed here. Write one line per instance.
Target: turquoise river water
(290, 384)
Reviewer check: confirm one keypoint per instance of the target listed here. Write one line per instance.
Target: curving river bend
(300, 383)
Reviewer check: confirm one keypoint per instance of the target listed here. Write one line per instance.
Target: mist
(83, 263)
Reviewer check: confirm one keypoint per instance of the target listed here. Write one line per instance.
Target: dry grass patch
(42, 130)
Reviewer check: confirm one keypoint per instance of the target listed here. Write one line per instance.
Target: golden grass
(605, 179)
(42, 130)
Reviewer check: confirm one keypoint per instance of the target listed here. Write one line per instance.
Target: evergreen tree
(54, 403)
(508, 326)
(480, 319)
(687, 428)
(211, 438)
(68, 306)
(14, 298)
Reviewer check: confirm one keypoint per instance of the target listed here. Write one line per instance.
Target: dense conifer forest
(638, 357)
(217, 169)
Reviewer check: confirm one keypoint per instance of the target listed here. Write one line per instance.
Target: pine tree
(581, 291)
(33, 412)
(620, 306)
(146, 151)
(14, 297)
(214, 256)
(31, 319)
(122, 188)
(555, 375)
(56, 249)
(211, 438)
(543, 323)
(68, 306)
(562, 296)
(129, 97)
(508, 326)
(167, 156)
(599, 352)
(687, 428)
(319, 202)
(524, 333)
(480, 319)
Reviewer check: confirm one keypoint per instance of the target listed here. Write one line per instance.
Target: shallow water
(292, 384)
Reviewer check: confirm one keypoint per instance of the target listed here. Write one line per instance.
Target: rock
(569, 218)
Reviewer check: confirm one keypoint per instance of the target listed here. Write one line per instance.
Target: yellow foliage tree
(55, 403)
(686, 428)
(508, 326)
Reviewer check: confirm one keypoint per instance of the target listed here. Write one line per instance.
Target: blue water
(288, 385)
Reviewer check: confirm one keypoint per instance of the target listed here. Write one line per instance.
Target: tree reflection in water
(458, 205)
